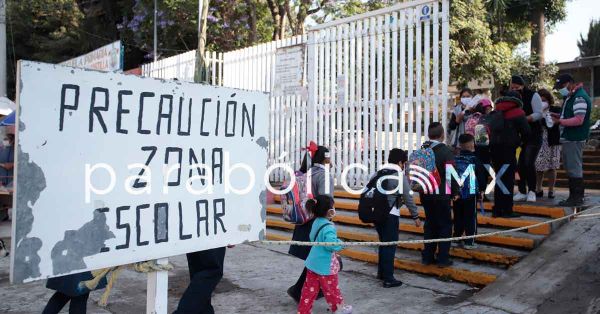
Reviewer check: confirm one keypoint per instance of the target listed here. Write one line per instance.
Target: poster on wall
(105, 58)
(289, 71)
(113, 169)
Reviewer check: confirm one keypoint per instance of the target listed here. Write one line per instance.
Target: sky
(561, 44)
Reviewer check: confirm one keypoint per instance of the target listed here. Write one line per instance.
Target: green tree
(590, 46)
(516, 18)
(473, 55)
(41, 30)
(45, 30)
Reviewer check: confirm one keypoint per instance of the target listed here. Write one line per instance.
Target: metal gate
(375, 81)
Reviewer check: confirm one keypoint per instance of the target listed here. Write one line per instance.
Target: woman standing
(460, 113)
(321, 182)
(548, 159)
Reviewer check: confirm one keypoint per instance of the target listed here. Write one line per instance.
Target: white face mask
(466, 100)
(6, 142)
(564, 91)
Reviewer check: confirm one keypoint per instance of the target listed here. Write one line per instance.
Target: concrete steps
(591, 172)
(478, 267)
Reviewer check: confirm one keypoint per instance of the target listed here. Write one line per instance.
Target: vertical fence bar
(331, 79)
(339, 104)
(379, 105)
(395, 79)
(364, 116)
(352, 130)
(418, 77)
(313, 60)
(387, 85)
(445, 60)
(402, 104)
(411, 80)
(326, 98)
(372, 127)
(427, 62)
(346, 130)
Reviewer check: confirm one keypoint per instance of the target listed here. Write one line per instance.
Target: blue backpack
(461, 164)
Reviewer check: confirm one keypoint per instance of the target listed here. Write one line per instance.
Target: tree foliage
(473, 55)
(590, 45)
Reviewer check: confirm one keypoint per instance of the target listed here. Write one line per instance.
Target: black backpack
(502, 131)
(373, 206)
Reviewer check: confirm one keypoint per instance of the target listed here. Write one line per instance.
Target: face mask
(6, 143)
(466, 100)
(564, 91)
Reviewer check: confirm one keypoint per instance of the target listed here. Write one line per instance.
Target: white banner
(105, 58)
(113, 169)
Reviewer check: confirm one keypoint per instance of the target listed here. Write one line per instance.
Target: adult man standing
(574, 123)
(532, 105)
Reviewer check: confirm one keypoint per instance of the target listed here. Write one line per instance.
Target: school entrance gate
(359, 85)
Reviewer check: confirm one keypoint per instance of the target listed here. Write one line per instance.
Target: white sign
(289, 70)
(113, 169)
(105, 58)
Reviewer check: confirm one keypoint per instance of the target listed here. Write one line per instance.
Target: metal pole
(155, 30)
(199, 73)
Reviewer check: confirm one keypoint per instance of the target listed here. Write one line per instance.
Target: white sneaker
(346, 309)
(470, 246)
(520, 197)
(531, 196)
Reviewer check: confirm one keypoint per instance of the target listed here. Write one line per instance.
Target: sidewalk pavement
(256, 278)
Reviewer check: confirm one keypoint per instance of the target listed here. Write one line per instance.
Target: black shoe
(550, 195)
(379, 276)
(570, 203)
(540, 194)
(291, 291)
(511, 215)
(445, 264)
(427, 262)
(392, 283)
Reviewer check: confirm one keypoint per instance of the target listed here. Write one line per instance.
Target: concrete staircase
(591, 171)
(477, 267)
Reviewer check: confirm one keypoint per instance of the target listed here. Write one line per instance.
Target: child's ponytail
(311, 205)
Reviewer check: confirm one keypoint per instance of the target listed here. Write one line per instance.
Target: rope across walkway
(394, 243)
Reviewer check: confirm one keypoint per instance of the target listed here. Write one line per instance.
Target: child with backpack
(465, 207)
(323, 263)
(438, 212)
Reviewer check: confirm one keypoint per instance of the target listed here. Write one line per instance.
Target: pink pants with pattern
(315, 282)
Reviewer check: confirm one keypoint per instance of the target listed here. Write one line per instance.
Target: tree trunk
(252, 21)
(277, 9)
(200, 75)
(538, 36)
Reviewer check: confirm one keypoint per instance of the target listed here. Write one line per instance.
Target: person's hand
(480, 195)
(455, 198)
(555, 119)
(417, 222)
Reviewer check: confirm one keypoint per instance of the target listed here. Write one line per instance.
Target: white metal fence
(375, 81)
(182, 67)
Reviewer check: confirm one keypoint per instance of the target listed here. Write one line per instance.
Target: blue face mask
(564, 91)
